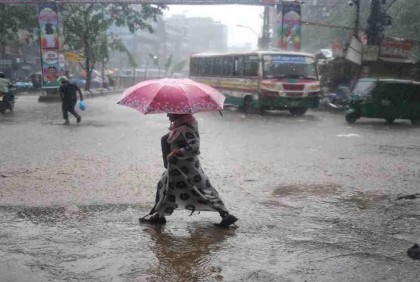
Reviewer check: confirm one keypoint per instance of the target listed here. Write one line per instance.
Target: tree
(314, 37)
(179, 67)
(405, 20)
(86, 25)
(168, 64)
(13, 18)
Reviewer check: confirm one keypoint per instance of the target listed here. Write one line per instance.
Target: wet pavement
(317, 199)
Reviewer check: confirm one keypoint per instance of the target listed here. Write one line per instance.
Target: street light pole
(245, 26)
(252, 30)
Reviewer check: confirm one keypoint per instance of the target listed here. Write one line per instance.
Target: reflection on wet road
(317, 199)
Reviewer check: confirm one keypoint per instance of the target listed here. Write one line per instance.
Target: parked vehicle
(23, 85)
(338, 100)
(36, 80)
(96, 82)
(389, 99)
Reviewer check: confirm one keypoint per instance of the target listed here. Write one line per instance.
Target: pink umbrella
(172, 95)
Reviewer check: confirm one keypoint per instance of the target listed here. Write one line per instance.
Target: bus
(261, 80)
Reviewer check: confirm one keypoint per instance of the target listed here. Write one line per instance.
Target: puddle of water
(187, 255)
(304, 189)
(365, 200)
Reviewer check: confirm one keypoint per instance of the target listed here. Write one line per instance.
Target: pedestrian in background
(68, 94)
(8, 96)
(184, 183)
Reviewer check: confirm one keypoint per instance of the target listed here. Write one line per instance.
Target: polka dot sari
(185, 185)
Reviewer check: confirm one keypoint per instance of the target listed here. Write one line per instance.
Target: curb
(90, 94)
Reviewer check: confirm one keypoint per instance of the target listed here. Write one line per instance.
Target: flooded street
(317, 199)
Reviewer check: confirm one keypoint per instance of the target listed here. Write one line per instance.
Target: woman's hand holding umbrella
(173, 154)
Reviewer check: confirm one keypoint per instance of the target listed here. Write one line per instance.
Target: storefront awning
(397, 60)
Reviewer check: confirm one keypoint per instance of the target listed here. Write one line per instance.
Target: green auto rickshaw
(390, 99)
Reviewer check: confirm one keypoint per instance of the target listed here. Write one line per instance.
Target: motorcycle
(7, 101)
(338, 100)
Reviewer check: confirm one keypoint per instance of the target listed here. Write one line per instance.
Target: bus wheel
(298, 111)
(352, 117)
(247, 104)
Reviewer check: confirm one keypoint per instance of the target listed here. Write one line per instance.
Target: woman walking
(184, 183)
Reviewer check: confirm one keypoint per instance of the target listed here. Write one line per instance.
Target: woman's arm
(190, 144)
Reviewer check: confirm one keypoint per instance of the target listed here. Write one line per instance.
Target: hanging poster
(289, 26)
(52, 59)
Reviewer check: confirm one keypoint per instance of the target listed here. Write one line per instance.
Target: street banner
(289, 26)
(354, 51)
(51, 44)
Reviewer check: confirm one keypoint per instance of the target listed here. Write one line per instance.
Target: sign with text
(395, 48)
(288, 59)
(51, 41)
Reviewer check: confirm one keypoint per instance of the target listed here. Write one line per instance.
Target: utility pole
(264, 41)
(375, 27)
(377, 21)
(357, 20)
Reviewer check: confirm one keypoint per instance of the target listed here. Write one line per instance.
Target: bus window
(217, 71)
(202, 66)
(237, 71)
(227, 66)
(193, 66)
(211, 66)
(250, 66)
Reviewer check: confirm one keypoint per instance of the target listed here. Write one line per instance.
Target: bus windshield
(289, 66)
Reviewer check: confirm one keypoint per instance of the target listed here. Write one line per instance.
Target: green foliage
(179, 66)
(168, 62)
(405, 23)
(405, 20)
(86, 25)
(13, 18)
(117, 45)
(314, 37)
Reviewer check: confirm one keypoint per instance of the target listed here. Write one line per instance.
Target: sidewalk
(44, 97)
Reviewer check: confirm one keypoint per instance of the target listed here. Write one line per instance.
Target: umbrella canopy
(172, 95)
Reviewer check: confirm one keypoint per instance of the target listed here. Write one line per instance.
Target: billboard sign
(289, 26)
(399, 49)
(51, 44)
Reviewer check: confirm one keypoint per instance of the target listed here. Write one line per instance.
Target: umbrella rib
(186, 98)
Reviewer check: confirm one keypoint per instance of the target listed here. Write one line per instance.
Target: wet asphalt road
(317, 199)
